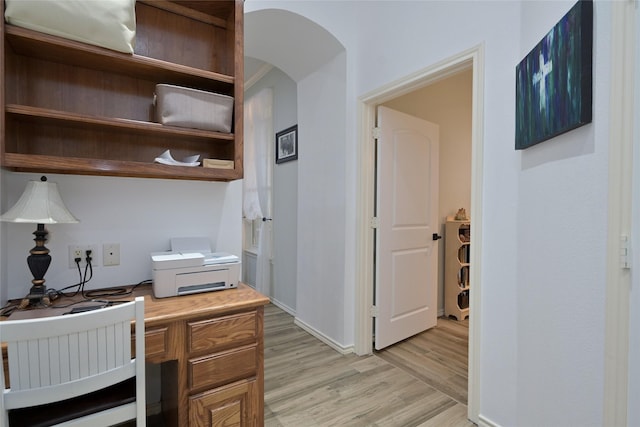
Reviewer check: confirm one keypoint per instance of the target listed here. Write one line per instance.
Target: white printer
(190, 267)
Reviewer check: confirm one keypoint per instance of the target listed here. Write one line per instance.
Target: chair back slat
(55, 360)
(58, 359)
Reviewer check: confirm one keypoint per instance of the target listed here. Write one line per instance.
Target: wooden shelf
(71, 107)
(57, 49)
(56, 164)
(43, 115)
(456, 275)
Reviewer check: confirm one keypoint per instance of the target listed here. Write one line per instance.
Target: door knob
(436, 236)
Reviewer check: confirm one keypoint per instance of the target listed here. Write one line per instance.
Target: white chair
(59, 364)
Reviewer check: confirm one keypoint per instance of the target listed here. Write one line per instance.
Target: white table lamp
(40, 204)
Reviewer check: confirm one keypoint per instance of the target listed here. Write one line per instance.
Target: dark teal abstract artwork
(554, 81)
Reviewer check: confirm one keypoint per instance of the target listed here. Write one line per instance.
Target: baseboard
(486, 422)
(283, 307)
(319, 335)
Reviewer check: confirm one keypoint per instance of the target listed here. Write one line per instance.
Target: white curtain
(258, 143)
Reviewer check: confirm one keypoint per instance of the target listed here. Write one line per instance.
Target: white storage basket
(192, 108)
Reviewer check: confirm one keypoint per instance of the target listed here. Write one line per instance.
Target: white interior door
(407, 212)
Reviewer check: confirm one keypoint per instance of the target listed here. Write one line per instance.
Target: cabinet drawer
(156, 342)
(223, 368)
(212, 335)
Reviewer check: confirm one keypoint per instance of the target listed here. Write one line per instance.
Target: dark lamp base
(36, 297)
(38, 261)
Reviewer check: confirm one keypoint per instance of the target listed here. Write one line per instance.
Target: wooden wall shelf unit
(75, 108)
(456, 273)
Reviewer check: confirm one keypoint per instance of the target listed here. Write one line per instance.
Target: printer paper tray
(206, 287)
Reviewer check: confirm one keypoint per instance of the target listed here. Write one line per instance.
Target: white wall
(562, 230)
(4, 278)
(544, 210)
(285, 202)
(321, 301)
(139, 214)
(285, 191)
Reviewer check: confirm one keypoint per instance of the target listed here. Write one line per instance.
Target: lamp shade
(39, 204)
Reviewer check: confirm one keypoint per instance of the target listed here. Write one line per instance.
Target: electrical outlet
(80, 251)
(110, 254)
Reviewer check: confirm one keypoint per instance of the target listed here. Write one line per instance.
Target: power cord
(114, 292)
(82, 280)
(87, 296)
(8, 309)
(89, 266)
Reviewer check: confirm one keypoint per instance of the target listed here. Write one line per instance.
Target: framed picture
(287, 144)
(554, 81)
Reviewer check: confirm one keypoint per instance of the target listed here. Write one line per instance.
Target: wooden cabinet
(457, 263)
(223, 361)
(71, 107)
(226, 406)
(211, 350)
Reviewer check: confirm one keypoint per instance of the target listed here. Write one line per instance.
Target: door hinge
(375, 132)
(625, 250)
(373, 311)
(374, 222)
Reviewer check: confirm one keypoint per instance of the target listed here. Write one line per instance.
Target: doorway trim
(620, 214)
(474, 59)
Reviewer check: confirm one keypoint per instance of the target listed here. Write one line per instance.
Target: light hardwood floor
(421, 381)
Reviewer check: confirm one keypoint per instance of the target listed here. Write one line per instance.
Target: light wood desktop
(210, 347)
